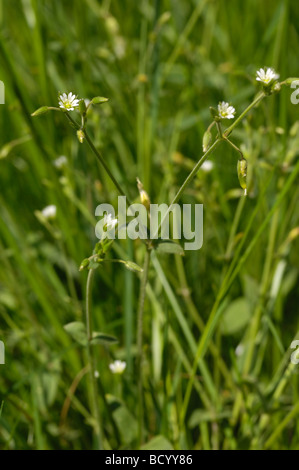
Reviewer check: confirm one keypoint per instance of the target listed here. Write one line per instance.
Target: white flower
(117, 367)
(68, 102)
(60, 162)
(207, 166)
(266, 75)
(49, 212)
(225, 111)
(109, 222)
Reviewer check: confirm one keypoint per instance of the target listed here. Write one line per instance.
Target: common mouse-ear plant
(69, 103)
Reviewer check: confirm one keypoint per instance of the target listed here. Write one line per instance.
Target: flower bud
(80, 135)
(144, 197)
(99, 100)
(242, 173)
(206, 141)
(84, 264)
(40, 111)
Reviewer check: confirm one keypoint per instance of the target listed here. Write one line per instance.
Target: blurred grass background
(161, 64)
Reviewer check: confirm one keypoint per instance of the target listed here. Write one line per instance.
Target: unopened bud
(84, 264)
(99, 100)
(242, 173)
(144, 197)
(40, 111)
(206, 141)
(80, 135)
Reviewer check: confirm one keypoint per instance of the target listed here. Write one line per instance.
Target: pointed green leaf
(102, 338)
(77, 331)
(170, 247)
(236, 316)
(158, 443)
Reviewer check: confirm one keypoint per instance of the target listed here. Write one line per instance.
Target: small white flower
(109, 222)
(207, 166)
(266, 75)
(96, 374)
(68, 102)
(49, 212)
(117, 367)
(60, 162)
(225, 111)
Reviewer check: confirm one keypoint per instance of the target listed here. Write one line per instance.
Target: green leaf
(82, 107)
(77, 331)
(158, 443)
(214, 114)
(99, 100)
(94, 263)
(170, 247)
(102, 338)
(235, 317)
(125, 421)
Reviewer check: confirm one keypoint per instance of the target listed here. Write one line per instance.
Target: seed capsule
(242, 173)
(80, 135)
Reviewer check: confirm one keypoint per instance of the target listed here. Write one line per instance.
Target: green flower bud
(242, 173)
(144, 197)
(80, 135)
(99, 100)
(84, 264)
(206, 141)
(40, 111)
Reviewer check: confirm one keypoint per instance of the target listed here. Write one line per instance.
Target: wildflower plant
(212, 138)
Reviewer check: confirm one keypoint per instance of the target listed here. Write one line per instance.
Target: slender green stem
(234, 147)
(140, 342)
(99, 157)
(187, 181)
(91, 360)
(218, 125)
(103, 163)
(242, 115)
(219, 139)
